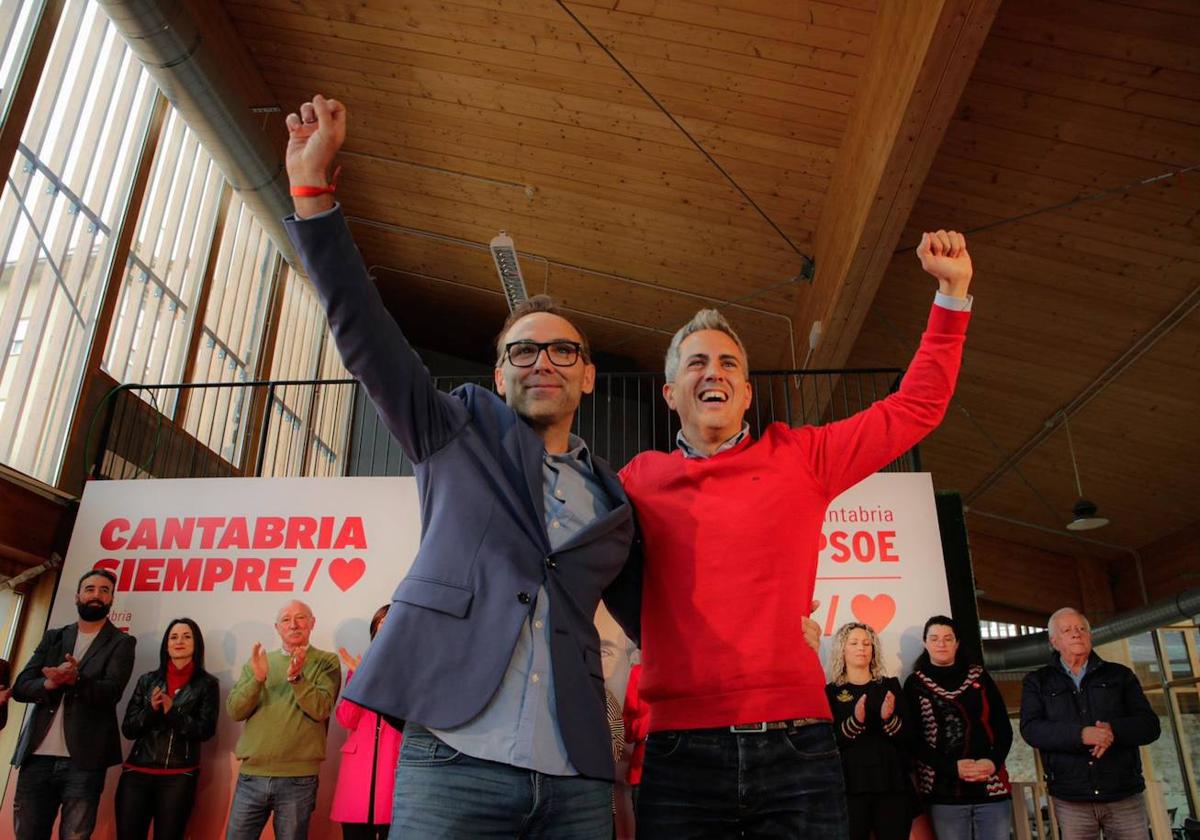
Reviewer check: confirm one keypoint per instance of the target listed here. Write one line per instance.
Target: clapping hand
(349, 660)
(888, 707)
(296, 665)
(160, 700)
(65, 674)
(860, 709)
(258, 662)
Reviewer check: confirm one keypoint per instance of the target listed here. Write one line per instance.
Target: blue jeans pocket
(423, 749)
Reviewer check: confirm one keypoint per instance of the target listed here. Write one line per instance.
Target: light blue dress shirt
(519, 725)
(1075, 678)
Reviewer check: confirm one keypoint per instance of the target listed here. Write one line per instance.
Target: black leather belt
(771, 725)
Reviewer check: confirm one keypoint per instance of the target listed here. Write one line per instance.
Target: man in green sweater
(285, 696)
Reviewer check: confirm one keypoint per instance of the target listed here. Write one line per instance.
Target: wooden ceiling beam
(916, 69)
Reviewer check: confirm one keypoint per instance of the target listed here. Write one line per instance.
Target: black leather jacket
(1054, 713)
(171, 741)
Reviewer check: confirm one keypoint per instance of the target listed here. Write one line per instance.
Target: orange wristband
(312, 192)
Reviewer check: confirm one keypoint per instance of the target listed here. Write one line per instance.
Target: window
(231, 339)
(308, 424)
(152, 325)
(64, 200)
(17, 22)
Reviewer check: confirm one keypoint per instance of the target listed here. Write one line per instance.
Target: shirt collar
(1067, 667)
(690, 451)
(577, 450)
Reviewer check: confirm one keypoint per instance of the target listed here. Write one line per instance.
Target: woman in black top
(963, 738)
(873, 735)
(173, 710)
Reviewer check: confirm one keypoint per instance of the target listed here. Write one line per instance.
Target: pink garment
(351, 795)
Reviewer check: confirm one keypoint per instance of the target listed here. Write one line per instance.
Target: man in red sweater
(740, 743)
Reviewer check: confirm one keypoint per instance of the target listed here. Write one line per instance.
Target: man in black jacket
(75, 679)
(1089, 717)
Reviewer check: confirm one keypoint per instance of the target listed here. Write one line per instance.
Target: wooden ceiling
(653, 156)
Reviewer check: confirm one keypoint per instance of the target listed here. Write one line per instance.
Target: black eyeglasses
(560, 353)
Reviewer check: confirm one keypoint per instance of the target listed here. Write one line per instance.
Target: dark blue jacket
(484, 553)
(1054, 713)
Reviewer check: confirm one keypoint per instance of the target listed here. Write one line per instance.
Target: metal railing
(329, 427)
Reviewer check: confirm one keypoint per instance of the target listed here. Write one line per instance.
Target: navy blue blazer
(456, 615)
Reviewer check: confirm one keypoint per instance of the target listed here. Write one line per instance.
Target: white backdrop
(229, 552)
(237, 584)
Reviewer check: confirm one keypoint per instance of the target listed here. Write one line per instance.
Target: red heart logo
(876, 612)
(345, 573)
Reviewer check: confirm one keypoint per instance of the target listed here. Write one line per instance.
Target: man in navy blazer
(489, 652)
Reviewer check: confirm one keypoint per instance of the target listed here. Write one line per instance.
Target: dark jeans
(46, 782)
(888, 815)
(712, 784)
(166, 801)
(290, 798)
(364, 831)
(443, 794)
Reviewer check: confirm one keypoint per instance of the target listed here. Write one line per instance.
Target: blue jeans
(988, 821)
(44, 783)
(699, 784)
(291, 799)
(442, 794)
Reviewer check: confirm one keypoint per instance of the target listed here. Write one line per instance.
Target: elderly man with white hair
(285, 696)
(1088, 717)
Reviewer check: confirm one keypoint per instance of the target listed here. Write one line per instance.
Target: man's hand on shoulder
(315, 135)
(943, 254)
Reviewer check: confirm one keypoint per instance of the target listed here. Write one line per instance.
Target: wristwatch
(295, 678)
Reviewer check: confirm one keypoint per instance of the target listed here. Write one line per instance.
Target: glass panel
(309, 423)
(234, 322)
(153, 320)
(64, 198)
(17, 21)
(331, 419)
(1179, 663)
(1020, 764)
(1164, 760)
(1187, 700)
(297, 351)
(1144, 660)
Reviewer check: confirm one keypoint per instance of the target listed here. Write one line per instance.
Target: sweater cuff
(947, 321)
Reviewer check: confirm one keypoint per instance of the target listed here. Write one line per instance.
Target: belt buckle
(743, 728)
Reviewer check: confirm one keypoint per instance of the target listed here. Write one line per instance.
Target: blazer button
(551, 563)
(523, 597)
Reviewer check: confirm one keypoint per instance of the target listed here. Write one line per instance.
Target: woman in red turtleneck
(172, 711)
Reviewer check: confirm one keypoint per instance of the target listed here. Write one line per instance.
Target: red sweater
(731, 549)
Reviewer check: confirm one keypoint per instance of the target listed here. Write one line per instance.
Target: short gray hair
(1059, 613)
(297, 602)
(705, 319)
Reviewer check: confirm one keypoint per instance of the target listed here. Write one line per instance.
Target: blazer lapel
(70, 635)
(526, 448)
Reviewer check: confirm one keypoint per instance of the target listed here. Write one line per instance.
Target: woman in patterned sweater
(963, 738)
